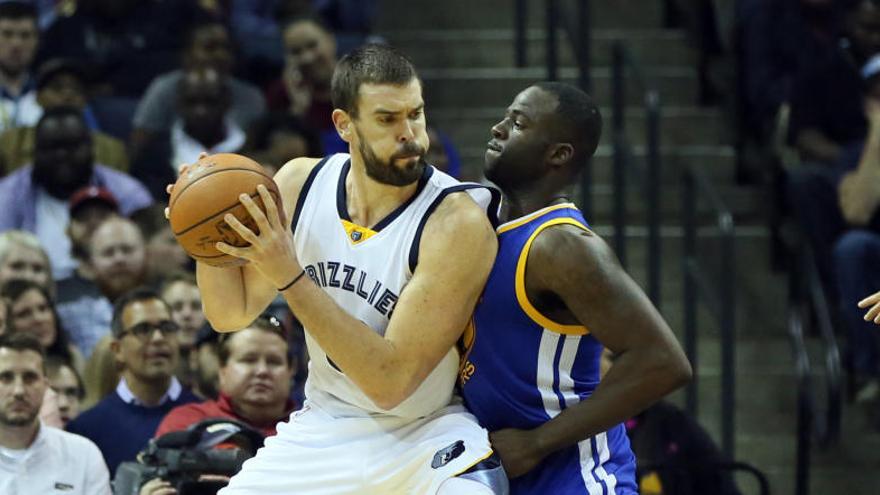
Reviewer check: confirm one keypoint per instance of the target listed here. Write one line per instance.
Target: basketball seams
(213, 216)
(225, 169)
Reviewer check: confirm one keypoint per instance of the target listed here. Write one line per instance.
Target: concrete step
(446, 48)
(499, 14)
(496, 87)
(685, 126)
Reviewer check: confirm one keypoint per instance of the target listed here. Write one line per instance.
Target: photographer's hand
(157, 486)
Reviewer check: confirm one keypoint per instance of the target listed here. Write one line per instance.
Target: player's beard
(386, 172)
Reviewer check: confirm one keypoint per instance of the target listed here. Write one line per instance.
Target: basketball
(205, 193)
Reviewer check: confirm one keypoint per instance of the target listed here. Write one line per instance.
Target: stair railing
(808, 307)
(718, 296)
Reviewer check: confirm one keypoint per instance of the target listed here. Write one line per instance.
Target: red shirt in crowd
(181, 417)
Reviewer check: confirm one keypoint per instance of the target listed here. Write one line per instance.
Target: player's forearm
(368, 359)
(637, 379)
(223, 296)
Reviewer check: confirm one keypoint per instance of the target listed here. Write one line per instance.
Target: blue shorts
(588, 468)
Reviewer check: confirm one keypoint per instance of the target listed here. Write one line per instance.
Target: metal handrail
(719, 297)
(624, 63)
(807, 297)
(693, 468)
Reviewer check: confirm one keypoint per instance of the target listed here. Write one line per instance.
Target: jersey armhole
(491, 211)
(520, 283)
(301, 200)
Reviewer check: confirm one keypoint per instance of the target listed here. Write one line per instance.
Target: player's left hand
(271, 251)
(518, 449)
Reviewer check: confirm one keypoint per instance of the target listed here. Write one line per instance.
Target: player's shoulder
(562, 246)
(295, 172)
(458, 211)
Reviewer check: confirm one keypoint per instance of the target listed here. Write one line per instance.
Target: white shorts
(318, 454)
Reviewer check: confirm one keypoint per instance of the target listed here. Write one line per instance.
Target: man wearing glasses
(145, 347)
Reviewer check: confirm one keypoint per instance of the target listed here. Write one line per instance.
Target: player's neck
(19, 437)
(521, 203)
(369, 201)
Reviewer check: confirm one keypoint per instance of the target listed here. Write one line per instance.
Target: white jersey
(364, 271)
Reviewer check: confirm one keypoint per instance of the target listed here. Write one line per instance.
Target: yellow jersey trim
(531, 216)
(355, 233)
(520, 278)
(481, 459)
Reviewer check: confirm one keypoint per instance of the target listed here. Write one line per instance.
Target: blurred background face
(64, 89)
(186, 310)
(865, 29)
(310, 50)
(210, 48)
(154, 357)
(4, 315)
(205, 364)
(117, 256)
(164, 255)
(63, 381)
(257, 371)
(18, 44)
(203, 102)
(62, 155)
(22, 385)
(24, 263)
(32, 313)
(436, 155)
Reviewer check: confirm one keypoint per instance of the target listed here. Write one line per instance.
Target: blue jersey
(520, 369)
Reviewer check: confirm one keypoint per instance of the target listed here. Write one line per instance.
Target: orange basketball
(205, 193)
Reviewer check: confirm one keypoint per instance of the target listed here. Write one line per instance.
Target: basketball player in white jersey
(382, 261)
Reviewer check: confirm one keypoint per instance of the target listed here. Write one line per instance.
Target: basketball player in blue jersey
(555, 297)
(370, 263)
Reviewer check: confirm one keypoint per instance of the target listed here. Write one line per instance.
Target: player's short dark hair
(372, 63)
(20, 342)
(16, 10)
(138, 294)
(578, 115)
(265, 323)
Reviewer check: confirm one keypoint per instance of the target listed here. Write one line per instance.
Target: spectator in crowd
(126, 43)
(89, 207)
(280, 137)
(4, 315)
(35, 198)
(31, 311)
(19, 37)
(182, 295)
(204, 363)
(208, 47)
(304, 88)
(780, 41)
(442, 153)
(22, 257)
(826, 107)
(145, 346)
(35, 458)
(69, 387)
(837, 209)
(102, 373)
(61, 83)
(255, 377)
(117, 262)
(205, 124)
(165, 257)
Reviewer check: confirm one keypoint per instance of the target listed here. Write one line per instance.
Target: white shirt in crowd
(56, 462)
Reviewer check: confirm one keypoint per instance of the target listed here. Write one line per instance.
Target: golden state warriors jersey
(365, 270)
(521, 369)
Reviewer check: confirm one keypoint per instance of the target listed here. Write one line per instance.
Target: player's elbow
(679, 370)
(224, 323)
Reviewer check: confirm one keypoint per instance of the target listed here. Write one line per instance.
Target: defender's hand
(518, 449)
(271, 252)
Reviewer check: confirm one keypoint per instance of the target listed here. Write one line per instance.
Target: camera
(182, 457)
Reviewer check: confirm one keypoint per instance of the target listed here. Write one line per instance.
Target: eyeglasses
(144, 330)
